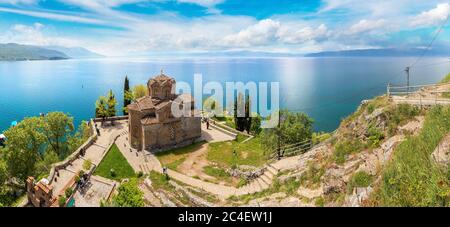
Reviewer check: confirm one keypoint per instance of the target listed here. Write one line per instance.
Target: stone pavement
(94, 153)
(97, 189)
(212, 135)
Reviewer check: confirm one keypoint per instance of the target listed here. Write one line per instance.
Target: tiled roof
(149, 121)
(163, 104)
(145, 103)
(161, 79)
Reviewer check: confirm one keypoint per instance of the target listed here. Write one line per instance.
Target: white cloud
(361, 24)
(100, 4)
(291, 35)
(433, 16)
(34, 35)
(16, 2)
(262, 33)
(368, 26)
(53, 16)
(204, 3)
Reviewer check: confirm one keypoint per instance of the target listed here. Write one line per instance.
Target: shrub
(320, 202)
(312, 175)
(129, 195)
(77, 179)
(140, 174)
(256, 125)
(360, 180)
(400, 114)
(112, 172)
(68, 192)
(87, 164)
(375, 136)
(446, 79)
(319, 137)
(370, 108)
(62, 201)
(345, 148)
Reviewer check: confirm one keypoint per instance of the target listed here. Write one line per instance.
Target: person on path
(165, 172)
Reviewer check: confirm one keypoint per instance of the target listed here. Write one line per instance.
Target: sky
(128, 27)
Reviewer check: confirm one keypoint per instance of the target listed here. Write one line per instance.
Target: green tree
(239, 112)
(56, 127)
(81, 136)
(136, 92)
(255, 127)
(248, 117)
(24, 147)
(126, 89)
(212, 107)
(7, 195)
(44, 164)
(101, 108)
(129, 195)
(293, 128)
(106, 106)
(112, 102)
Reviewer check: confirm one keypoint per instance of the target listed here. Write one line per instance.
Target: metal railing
(296, 148)
(407, 90)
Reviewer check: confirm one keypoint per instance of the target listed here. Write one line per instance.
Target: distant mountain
(75, 52)
(16, 52)
(230, 53)
(389, 52)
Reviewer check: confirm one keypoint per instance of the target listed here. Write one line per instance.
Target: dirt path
(194, 163)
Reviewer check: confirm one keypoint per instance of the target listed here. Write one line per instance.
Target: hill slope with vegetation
(16, 52)
(384, 154)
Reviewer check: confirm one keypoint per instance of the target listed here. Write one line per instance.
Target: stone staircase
(145, 168)
(259, 184)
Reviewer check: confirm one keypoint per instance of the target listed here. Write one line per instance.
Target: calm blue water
(327, 89)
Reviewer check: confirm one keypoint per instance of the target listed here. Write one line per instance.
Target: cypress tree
(248, 117)
(126, 101)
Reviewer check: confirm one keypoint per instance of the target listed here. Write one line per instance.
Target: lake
(327, 89)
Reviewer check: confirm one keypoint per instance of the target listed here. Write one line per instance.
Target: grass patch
(320, 202)
(116, 161)
(311, 177)
(412, 179)
(344, 148)
(160, 181)
(229, 120)
(289, 186)
(173, 158)
(360, 180)
(249, 153)
(216, 172)
(446, 95)
(374, 104)
(204, 195)
(400, 114)
(242, 182)
(446, 79)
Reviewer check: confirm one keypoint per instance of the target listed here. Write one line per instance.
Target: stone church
(153, 127)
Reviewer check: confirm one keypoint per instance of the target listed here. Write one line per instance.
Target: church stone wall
(192, 127)
(135, 129)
